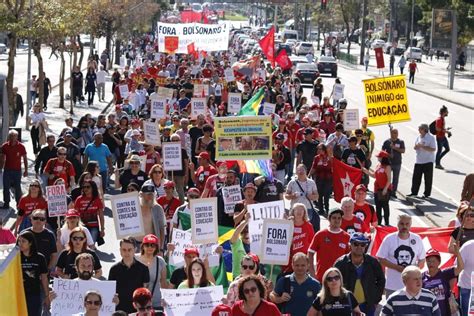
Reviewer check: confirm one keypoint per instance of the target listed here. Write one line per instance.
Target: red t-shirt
(13, 154)
(293, 129)
(28, 204)
(366, 213)
(322, 164)
(62, 170)
(89, 215)
(213, 183)
(264, 309)
(302, 238)
(328, 247)
(381, 178)
(202, 174)
(169, 206)
(206, 73)
(355, 225)
(412, 67)
(151, 160)
(6, 237)
(439, 123)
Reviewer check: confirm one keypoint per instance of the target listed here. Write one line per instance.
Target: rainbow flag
(261, 167)
(251, 107)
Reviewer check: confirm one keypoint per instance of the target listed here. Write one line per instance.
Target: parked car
(291, 42)
(285, 47)
(3, 48)
(327, 65)
(86, 40)
(377, 43)
(413, 53)
(306, 72)
(304, 48)
(295, 60)
(248, 45)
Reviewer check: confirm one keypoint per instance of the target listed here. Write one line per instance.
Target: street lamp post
(28, 72)
(412, 35)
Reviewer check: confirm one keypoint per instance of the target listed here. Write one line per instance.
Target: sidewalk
(55, 118)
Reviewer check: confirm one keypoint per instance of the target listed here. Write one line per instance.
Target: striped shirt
(401, 303)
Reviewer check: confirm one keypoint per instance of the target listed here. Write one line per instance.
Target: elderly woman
(252, 299)
(156, 179)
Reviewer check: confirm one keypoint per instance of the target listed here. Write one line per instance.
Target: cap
(250, 185)
(305, 118)
(136, 132)
(148, 188)
(135, 121)
(72, 213)
(359, 237)
(221, 164)
(134, 158)
(280, 136)
(254, 257)
(67, 134)
(308, 131)
(194, 191)
(168, 185)
(190, 251)
(97, 133)
(204, 155)
(327, 112)
(221, 309)
(383, 154)
(433, 253)
(334, 211)
(150, 239)
(361, 187)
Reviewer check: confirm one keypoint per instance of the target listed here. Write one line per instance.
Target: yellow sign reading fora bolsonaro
(386, 100)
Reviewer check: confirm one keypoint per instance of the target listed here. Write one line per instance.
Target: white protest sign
(171, 153)
(231, 196)
(471, 299)
(201, 90)
(123, 89)
(158, 108)
(142, 162)
(268, 108)
(338, 92)
(315, 99)
(197, 302)
(127, 215)
(166, 93)
(235, 102)
(276, 242)
(198, 106)
(258, 212)
(57, 200)
(206, 37)
(204, 220)
(229, 75)
(122, 61)
(182, 240)
(240, 86)
(351, 119)
(70, 296)
(152, 133)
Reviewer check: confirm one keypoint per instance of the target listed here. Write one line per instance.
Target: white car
(377, 43)
(3, 48)
(413, 53)
(304, 48)
(292, 42)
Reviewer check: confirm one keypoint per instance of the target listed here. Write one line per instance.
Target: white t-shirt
(101, 76)
(403, 252)
(308, 186)
(218, 90)
(466, 251)
(422, 155)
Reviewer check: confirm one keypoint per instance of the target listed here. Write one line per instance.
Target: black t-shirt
(349, 157)
(128, 280)
(211, 149)
(110, 142)
(467, 234)
(286, 158)
(223, 219)
(194, 133)
(308, 152)
(318, 91)
(269, 191)
(126, 177)
(46, 84)
(396, 157)
(335, 306)
(188, 86)
(32, 268)
(178, 276)
(77, 79)
(67, 259)
(45, 243)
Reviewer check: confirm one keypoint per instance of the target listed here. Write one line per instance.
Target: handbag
(453, 305)
(313, 217)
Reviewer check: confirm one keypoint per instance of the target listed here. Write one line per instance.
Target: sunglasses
(61, 154)
(86, 186)
(252, 289)
(78, 238)
(470, 215)
(149, 245)
(145, 309)
(358, 244)
(39, 218)
(131, 190)
(96, 303)
(34, 186)
(245, 267)
(157, 171)
(333, 278)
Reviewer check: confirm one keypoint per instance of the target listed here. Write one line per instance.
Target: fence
(351, 60)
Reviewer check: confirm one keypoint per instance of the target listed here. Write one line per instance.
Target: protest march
(230, 190)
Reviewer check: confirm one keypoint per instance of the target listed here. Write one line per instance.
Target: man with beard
(399, 250)
(152, 214)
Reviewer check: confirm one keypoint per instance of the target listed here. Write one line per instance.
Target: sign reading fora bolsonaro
(386, 100)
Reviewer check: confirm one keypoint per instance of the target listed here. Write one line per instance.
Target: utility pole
(28, 72)
(454, 46)
(306, 9)
(363, 33)
(412, 35)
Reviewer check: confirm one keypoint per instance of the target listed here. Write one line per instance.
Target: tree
(351, 15)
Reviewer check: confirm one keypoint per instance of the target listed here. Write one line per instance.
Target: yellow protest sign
(386, 100)
(241, 138)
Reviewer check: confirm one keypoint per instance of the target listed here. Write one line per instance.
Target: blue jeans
(365, 309)
(395, 177)
(464, 295)
(442, 143)
(291, 164)
(94, 233)
(11, 179)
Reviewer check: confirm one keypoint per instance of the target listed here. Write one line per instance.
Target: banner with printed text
(204, 220)
(386, 100)
(57, 200)
(206, 37)
(127, 215)
(196, 302)
(243, 138)
(276, 241)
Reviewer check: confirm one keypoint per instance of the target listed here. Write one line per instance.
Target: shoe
(425, 197)
(394, 196)
(439, 167)
(412, 195)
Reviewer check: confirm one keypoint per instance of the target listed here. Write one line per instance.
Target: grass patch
(235, 17)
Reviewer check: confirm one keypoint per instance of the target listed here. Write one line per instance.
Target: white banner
(206, 37)
(57, 200)
(127, 215)
(258, 212)
(158, 108)
(201, 90)
(231, 196)
(204, 220)
(235, 102)
(166, 93)
(171, 153)
(338, 92)
(276, 242)
(229, 75)
(198, 106)
(182, 240)
(351, 119)
(196, 302)
(70, 296)
(123, 89)
(152, 133)
(268, 108)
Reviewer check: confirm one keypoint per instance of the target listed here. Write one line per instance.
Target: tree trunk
(81, 51)
(71, 110)
(348, 35)
(37, 52)
(62, 71)
(118, 44)
(11, 71)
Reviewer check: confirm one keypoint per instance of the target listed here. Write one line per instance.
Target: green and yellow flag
(251, 107)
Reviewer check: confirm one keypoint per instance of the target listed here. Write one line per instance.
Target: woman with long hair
(91, 209)
(321, 171)
(222, 110)
(77, 191)
(196, 276)
(65, 267)
(92, 303)
(35, 273)
(85, 133)
(91, 79)
(334, 299)
(122, 129)
(203, 141)
(93, 169)
(252, 299)
(38, 127)
(73, 220)
(28, 203)
(156, 179)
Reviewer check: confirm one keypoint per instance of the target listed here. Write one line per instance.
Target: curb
(418, 209)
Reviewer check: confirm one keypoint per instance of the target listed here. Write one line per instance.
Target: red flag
(379, 57)
(171, 43)
(190, 48)
(344, 178)
(283, 60)
(267, 43)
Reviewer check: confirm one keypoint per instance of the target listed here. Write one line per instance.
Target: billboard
(441, 29)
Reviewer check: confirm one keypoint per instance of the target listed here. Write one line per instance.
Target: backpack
(287, 289)
(432, 127)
